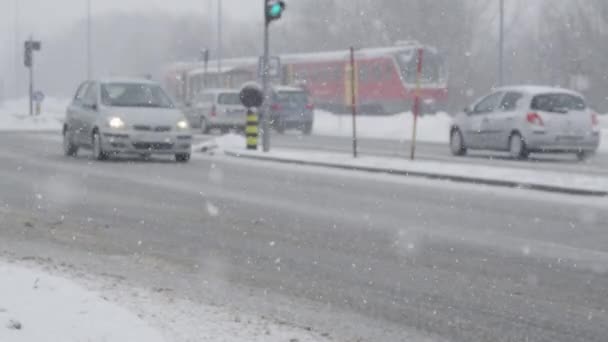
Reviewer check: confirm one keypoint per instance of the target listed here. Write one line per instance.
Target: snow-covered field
(14, 115)
(431, 128)
(38, 305)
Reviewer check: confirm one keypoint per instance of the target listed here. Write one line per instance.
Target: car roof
(536, 90)
(128, 80)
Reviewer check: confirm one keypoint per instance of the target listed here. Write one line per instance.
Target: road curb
(428, 175)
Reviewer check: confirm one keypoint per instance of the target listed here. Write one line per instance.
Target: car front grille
(147, 128)
(153, 146)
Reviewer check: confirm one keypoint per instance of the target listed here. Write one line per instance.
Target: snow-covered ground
(14, 115)
(40, 302)
(35, 306)
(431, 128)
(472, 172)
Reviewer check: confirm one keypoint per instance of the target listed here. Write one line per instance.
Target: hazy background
(555, 42)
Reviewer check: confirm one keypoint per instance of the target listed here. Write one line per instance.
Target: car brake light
(534, 119)
(310, 106)
(275, 106)
(213, 111)
(594, 119)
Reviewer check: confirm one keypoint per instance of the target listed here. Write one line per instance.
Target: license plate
(152, 138)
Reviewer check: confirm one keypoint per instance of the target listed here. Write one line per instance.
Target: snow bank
(35, 306)
(431, 128)
(221, 143)
(561, 181)
(14, 115)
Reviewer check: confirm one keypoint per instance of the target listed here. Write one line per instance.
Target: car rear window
(230, 99)
(557, 102)
(292, 97)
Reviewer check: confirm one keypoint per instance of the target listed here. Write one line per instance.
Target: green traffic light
(275, 10)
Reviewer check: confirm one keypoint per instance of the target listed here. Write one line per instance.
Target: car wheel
(69, 148)
(98, 152)
(182, 157)
(225, 130)
(517, 147)
(204, 126)
(457, 143)
(583, 155)
(307, 129)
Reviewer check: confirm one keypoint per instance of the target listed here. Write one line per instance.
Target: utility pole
(89, 34)
(353, 94)
(17, 49)
(265, 90)
(219, 36)
(273, 10)
(501, 43)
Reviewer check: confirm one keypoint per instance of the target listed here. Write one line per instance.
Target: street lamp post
(501, 43)
(219, 36)
(89, 33)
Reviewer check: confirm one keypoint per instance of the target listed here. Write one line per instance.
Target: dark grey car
(291, 109)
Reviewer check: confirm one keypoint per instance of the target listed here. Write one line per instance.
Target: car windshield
(432, 67)
(231, 99)
(557, 102)
(134, 95)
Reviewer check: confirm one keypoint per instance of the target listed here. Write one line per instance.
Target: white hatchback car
(217, 108)
(526, 119)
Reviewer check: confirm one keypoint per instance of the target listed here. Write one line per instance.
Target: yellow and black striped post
(251, 131)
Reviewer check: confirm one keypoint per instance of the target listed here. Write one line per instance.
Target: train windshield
(432, 67)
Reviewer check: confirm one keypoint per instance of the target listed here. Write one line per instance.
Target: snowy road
(352, 255)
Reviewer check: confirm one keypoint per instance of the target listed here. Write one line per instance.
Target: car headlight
(116, 123)
(183, 124)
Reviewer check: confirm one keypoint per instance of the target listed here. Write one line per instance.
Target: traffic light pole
(31, 87)
(266, 90)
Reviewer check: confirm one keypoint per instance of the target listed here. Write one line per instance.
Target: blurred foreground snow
(37, 305)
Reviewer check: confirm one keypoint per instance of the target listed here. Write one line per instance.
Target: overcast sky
(45, 18)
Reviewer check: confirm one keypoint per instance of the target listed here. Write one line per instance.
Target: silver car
(217, 108)
(526, 119)
(125, 116)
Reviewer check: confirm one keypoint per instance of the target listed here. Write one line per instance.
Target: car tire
(69, 148)
(457, 146)
(205, 126)
(307, 129)
(182, 157)
(584, 155)
(98, 153)
(517, 147)
(225, 130)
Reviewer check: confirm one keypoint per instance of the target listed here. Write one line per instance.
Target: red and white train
(385, 81)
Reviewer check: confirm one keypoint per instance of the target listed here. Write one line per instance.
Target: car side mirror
(94, 107)
(467, 110)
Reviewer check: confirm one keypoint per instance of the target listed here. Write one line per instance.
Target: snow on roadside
(14, 115)
(39, 297)
(221, 143)
(35, 306)
(431, 128)
(555, 179)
